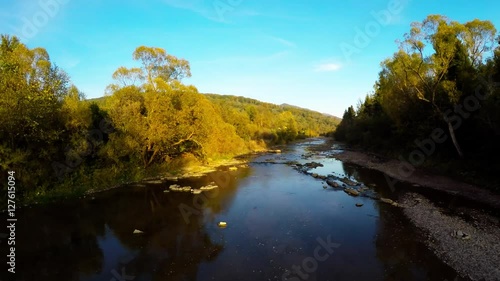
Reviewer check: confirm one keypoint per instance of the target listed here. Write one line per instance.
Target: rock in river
(208, 187)
(351, 191)
(333, 184)
(350, 182)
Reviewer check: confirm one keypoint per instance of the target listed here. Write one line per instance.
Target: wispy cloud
(211, 10)
(282, 41)
(328, 67)
(196, 6)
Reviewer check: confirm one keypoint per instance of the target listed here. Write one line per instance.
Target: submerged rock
(313, 165)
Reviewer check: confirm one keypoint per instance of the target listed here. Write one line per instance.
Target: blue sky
(282, 51)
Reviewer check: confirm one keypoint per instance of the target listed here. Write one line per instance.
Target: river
(281, 225)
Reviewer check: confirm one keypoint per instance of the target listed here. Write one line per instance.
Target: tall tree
(422, 74)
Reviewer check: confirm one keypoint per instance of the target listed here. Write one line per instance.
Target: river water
(281, 225)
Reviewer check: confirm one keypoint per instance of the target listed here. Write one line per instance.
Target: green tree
(424, 76)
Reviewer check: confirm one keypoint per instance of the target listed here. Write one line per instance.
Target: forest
(436, 103)
(61, 144)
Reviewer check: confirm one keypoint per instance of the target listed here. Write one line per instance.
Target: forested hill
(247, 115)
(436, 101)
(149, 123)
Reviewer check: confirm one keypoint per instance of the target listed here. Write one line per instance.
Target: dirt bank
(401, 171)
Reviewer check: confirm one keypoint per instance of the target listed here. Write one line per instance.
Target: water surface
(277, 218)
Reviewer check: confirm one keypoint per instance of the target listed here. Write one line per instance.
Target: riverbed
(282, 224)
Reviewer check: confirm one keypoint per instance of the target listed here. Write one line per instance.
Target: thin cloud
(207, 9)
(283, 41)
(195, 6)
(328, 67)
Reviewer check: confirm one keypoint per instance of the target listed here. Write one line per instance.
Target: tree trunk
(454, 139)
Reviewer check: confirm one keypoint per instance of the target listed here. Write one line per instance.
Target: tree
(32, 131)
(424, 77)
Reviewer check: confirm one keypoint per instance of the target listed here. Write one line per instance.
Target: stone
(175, 187)
(359, 205)
(351, 191)
(208, 187)
(233, 169)
(222, 224)
(389, 201)
(460, 235)
(332, 183)
(350, 182)
(137, 231)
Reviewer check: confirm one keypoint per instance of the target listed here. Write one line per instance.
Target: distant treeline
(436, 101)
(148, 123)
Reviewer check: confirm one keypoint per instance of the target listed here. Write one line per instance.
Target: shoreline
(466, 238)
(194, 171)
(395, 169)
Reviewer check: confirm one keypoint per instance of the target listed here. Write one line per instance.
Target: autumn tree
(32, 94)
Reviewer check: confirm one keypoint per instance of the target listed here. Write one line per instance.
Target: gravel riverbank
(466, 238)
(470, 245)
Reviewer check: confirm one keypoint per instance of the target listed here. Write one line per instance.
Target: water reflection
(275, 217)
